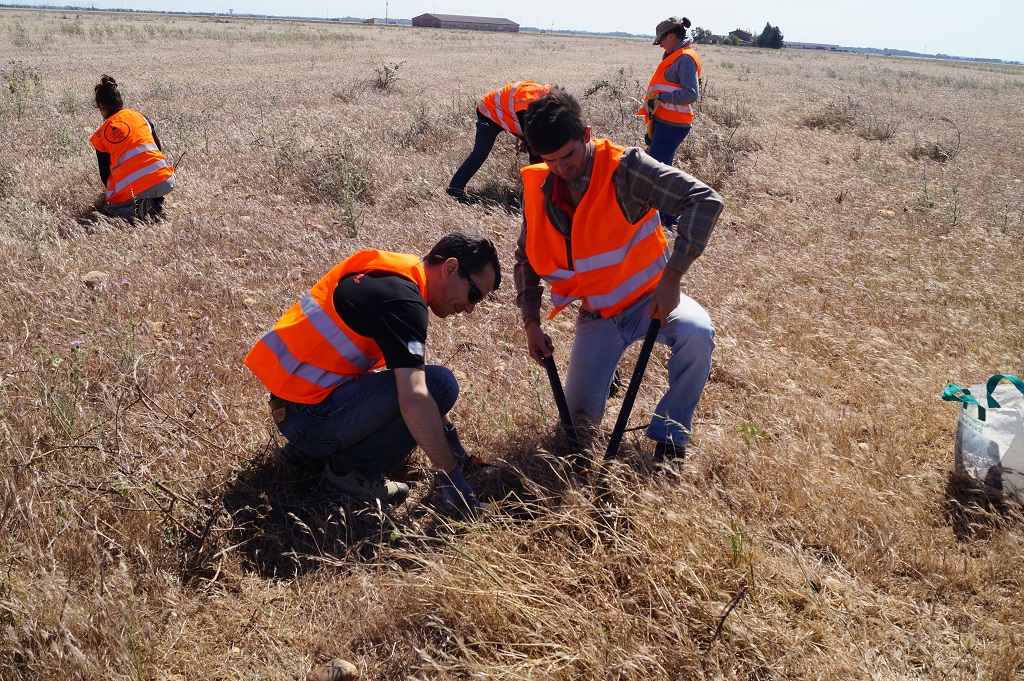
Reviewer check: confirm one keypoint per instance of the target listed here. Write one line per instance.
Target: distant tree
(731, 40)
(770, 37)
(700, 35)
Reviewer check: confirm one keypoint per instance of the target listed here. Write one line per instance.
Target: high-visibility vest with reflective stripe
(501, 106)
(135, 162)
(310, 351)
(672, 113)
(609, 262)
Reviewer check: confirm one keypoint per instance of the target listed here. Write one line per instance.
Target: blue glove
(458, 451)
(457, 496)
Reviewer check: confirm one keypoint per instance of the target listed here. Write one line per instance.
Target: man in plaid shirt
(592, 231)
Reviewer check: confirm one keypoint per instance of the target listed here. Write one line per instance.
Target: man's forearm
(528, 287)
(424, 422)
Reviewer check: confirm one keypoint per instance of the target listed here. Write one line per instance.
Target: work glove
(651, 105)
(457, 496)
(458, 451)
(464, 458)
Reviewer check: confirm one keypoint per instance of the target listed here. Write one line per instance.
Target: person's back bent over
(131, 163)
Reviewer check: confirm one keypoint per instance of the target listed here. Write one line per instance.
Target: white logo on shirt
(417, 348)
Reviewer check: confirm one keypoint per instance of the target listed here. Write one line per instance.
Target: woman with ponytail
(673, 90)
(132, 166)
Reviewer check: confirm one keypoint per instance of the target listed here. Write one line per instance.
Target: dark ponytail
(107, 94)
(680, 30)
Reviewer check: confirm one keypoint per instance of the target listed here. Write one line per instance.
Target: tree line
(770, 37)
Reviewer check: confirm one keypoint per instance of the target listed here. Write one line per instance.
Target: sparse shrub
(714, 155)
(163, 90)
(385, 76)
(615, 101)
(346, 94)
(72, 28)
(937, 150)
(23, 82)
(875, 125)
(68, 102)
(836, 116)
(66, 143)
(19, 35)
(336, 174)
(729, 114)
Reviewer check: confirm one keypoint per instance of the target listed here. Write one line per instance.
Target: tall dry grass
(815, 531)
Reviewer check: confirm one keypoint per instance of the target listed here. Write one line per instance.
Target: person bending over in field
(132, 166)
(341, 417)
(497, 110)
(591, 230)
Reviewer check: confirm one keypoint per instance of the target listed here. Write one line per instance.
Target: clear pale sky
(983, 28)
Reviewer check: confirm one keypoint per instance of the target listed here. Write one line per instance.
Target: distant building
(470, 23)
(742, 36)
(714, 39)
(373, 20)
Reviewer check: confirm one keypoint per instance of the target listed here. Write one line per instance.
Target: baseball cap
(666, 26)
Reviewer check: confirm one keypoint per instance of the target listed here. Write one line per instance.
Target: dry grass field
(870, 253)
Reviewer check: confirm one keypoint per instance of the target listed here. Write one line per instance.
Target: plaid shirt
(641, 183)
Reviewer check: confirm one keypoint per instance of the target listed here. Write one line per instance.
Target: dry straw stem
(815, 530)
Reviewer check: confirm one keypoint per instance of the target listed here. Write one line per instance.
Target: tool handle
(564, 417)
(634, 387)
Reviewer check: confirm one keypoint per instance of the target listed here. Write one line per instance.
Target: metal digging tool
(564, 416)
(634, 386)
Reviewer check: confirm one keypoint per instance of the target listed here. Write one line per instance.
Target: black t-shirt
(388, 308)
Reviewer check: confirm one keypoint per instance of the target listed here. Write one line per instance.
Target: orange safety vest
(310, 351)
(671, 113)
(136, 163)
(609, 262)
(502, 105)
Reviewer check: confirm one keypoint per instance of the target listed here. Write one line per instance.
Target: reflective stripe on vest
(672, 113)
(614, 263)
(501, 106)
(310, 351)
(136, 164)
(127, 181)
(308, 372)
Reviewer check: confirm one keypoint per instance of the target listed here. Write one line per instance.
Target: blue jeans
(599, 344)
(666, 140)
(359, 425)
(486, 132)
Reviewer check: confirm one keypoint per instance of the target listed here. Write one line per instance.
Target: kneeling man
(319, 362)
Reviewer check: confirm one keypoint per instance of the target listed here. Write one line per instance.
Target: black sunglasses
(475, 294)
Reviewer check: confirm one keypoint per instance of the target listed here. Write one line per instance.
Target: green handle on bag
(950, 395)
(954, 393)
(994, 381)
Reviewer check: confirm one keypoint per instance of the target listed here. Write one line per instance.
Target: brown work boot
(336, 670)
(353, 483)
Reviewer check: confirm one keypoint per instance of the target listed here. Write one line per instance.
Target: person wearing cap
(498, 110)
(673, 90)
(592, 231)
